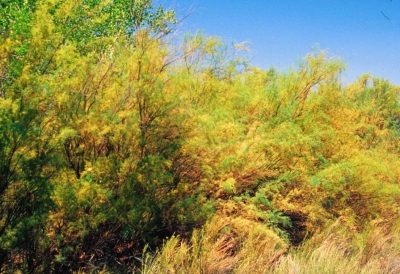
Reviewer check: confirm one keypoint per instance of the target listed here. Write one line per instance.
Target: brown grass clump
(236, 245)
(224, 245)
(340, 250)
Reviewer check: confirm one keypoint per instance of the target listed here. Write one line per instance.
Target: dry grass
(223, 246)
(241, 246)
(338, 250)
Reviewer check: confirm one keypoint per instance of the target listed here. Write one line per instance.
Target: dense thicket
(115, 135)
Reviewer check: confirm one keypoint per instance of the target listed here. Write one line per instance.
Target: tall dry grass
(223, 246)
(338, 250)
(241, 246)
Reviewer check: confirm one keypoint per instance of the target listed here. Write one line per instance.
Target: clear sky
(364, 33)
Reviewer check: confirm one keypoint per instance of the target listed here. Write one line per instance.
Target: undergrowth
(240, 246)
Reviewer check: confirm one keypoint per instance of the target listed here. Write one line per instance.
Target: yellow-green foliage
(114, 136)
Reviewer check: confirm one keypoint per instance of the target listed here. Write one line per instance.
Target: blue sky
(281, 32)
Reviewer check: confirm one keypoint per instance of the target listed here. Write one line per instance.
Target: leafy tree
(114, 136)
(45, 43)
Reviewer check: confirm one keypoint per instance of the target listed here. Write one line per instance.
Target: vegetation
(125, 148)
